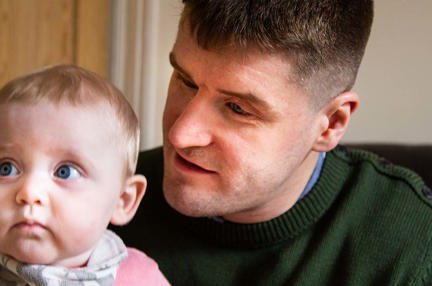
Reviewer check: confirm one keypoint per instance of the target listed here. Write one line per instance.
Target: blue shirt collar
(315, 175)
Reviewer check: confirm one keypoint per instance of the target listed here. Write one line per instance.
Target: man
(252, 190)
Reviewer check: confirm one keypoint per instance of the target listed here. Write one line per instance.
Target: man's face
(237, 133)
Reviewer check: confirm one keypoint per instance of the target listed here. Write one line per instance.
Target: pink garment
(139, 269)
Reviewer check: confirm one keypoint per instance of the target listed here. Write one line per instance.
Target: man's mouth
(186, 165)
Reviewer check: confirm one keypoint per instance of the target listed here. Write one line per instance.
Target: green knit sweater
(365, 222)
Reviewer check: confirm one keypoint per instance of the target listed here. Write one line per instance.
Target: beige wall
(142, 35)
(395, 77)
(393, 83)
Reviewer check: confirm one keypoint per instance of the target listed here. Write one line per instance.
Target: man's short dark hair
(324, 39)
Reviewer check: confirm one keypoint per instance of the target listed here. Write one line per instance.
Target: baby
(69, 143)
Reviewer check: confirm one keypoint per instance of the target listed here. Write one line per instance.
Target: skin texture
(62, 181)
(241, 139)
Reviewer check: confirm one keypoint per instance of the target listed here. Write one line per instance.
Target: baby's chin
(44, 258)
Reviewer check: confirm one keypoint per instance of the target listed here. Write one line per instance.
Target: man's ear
(129, 200)
(336, 116)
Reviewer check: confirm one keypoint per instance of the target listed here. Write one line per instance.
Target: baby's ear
(129, 200)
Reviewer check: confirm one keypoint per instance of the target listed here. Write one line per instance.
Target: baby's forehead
(48, 123)
(73, 116)
(57, 119)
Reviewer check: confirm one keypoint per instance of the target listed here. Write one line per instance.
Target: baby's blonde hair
(78, 86)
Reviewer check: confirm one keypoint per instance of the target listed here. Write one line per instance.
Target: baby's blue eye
(67, 172)
(8, 169)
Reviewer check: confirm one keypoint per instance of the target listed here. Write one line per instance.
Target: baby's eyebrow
(75, 155)
(6, 146)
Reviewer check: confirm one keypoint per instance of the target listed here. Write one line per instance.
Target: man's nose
(32, 191)
(194, 126)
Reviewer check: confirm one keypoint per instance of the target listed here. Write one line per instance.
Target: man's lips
(187, 165)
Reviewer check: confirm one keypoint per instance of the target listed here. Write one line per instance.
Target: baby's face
(61, 174)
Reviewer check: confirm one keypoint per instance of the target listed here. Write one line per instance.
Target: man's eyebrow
(250, 97)
(176, 66)
(243, 96)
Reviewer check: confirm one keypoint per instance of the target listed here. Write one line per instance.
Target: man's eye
(237, 109)
(186, 82)
(67, 172)
(189, 84)
(8, 169)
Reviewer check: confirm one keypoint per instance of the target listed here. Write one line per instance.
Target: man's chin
(184, 204)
